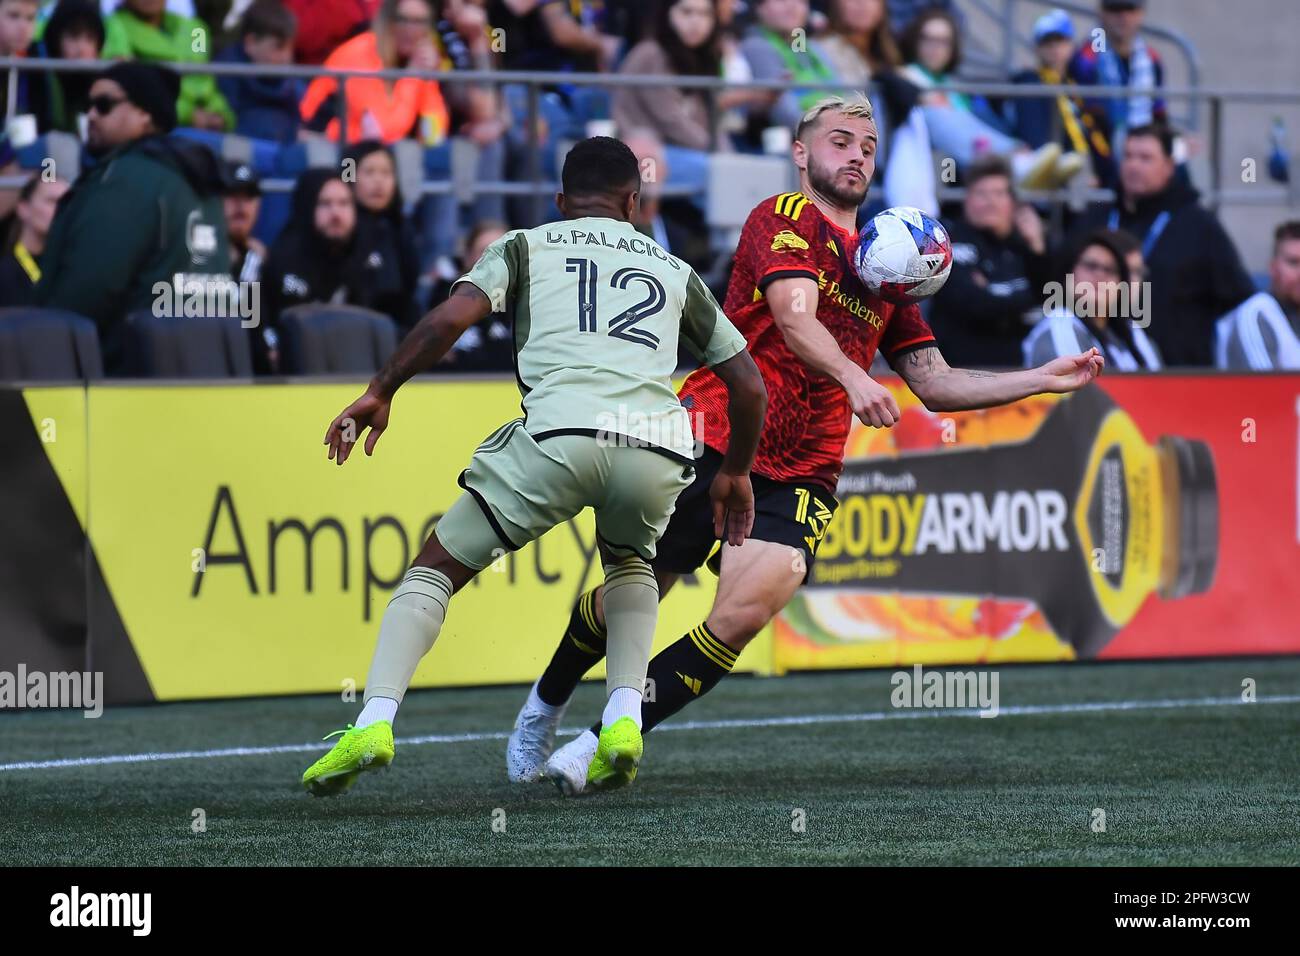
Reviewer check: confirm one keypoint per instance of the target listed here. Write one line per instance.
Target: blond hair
(854, 106)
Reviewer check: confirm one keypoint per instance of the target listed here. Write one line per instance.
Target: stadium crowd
(152, 199)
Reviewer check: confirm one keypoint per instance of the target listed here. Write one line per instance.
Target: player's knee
(738, 624)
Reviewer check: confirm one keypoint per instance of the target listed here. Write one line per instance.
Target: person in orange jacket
(402, 37)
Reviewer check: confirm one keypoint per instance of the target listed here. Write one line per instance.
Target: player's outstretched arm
(945, 389)
(794, 308)
(423, 346)
(732, 495)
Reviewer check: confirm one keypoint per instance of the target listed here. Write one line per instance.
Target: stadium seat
(164, 347)
(46, 345)
(739, 183)
(318, 339)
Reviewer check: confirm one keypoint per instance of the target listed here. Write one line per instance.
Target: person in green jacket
(146, 30)
(146, 216)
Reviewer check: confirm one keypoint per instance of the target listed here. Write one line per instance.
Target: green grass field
(1182, 782)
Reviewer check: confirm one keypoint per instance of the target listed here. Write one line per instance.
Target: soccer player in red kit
(813, 329)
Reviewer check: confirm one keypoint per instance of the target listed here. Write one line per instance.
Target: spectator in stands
(860, 41)
(1031, 119)
(773, 55)
(903, 12)
(963, 127)
(145, 30)
(1122, 58)
(265, 107)
(683, 42)
(74, 31)
(383, 230)
(737, 105)
(1100, 314)
(677, 225)
(862, 49)
(20, 265)
(17, 25)
(242, 202)
(1000, 265)
(324, 25)
(478, 112)
(156, 199)
(402, 37)
(488, 345)
(1263, 333)
(1195, 272)
(555, 36)
(8, 167)
(320, 257)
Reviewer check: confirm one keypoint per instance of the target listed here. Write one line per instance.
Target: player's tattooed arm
(432, 337)
(945, 389)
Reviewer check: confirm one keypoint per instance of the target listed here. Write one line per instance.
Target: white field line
(797, 721)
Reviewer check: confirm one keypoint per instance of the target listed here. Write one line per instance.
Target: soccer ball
(903, 255)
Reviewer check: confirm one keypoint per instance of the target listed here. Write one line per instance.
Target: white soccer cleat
(532, 740)
(567, 767)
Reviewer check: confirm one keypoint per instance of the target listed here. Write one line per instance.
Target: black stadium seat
(165, 347)
(48, 345)
(317, 339)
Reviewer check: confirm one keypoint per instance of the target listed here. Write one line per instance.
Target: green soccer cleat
(358, 750)
(618, 754)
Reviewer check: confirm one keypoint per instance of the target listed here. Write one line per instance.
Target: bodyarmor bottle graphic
(1053, 514)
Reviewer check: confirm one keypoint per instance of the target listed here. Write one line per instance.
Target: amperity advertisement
(194, 541)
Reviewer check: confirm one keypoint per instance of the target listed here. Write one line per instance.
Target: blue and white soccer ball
(903, 255)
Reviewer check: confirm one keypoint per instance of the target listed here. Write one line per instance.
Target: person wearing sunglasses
(147, 210)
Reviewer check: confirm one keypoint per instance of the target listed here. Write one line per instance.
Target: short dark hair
(1159, 132)
(1286, 232)
(1110, 240)
(268, 18)
(600, 166)
(910, 42)
(985, 168)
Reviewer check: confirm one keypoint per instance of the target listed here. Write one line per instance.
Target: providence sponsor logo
(77, 909)
(940, 689)
(72, 690)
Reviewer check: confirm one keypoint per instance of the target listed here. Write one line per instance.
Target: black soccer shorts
(791, 513)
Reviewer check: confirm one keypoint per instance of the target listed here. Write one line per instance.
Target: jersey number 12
(623, 326)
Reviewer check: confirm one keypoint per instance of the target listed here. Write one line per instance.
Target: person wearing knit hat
(147, 210)
(131, 100)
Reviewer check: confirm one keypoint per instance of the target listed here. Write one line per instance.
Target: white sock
(542, 707)
(589, 742)
(376, 709)
(623, 702)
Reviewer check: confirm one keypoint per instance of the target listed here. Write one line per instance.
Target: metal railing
(1014, 41)
(532, 184)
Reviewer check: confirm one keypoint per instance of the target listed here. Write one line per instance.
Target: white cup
(601, 127)
(22, 130)
(777, 140)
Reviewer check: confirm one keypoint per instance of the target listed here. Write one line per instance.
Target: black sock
(682, 672)
(581, 648)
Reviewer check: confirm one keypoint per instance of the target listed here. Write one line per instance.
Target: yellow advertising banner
(242, 562)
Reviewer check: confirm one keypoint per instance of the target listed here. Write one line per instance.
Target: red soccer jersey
(808, 414)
